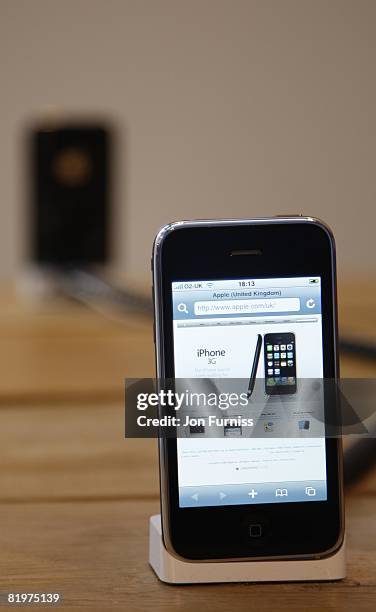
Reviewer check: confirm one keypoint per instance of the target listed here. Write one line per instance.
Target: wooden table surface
(76, 496)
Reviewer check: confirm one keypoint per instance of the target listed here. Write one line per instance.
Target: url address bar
(247, 306)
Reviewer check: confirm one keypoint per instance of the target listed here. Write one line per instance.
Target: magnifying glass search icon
(182, 308)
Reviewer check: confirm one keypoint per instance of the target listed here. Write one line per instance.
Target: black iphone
(216, 284)
(256, 358)
(280, 363)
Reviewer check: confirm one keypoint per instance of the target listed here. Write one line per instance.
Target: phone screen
(220, 328)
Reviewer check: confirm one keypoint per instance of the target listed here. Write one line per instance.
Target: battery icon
(314, 281)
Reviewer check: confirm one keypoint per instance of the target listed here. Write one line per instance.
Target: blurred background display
(70, 193)
(226, 110)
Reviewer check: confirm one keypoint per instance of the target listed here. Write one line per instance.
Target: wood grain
(62, 351)
(357, 308)
(72, 451)
(76, 496)
(95, 554)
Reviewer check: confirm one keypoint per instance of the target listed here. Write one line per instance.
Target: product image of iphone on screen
(280, 363)
(221, 287)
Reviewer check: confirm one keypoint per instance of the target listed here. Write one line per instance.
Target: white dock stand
(174, 571)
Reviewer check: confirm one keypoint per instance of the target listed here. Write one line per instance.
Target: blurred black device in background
(70, 194)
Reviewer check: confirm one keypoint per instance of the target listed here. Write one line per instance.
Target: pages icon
(281, 493)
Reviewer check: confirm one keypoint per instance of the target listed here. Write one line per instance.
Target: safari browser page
(266, 335)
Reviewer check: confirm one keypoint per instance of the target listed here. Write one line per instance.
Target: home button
(255, 530)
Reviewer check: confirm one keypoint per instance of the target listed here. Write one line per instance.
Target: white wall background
(229, 107)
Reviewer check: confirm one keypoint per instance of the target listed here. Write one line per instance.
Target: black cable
(359, 348)
(358, 459)
(86, 287)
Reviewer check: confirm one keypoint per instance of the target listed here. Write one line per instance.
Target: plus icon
(253, 494)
